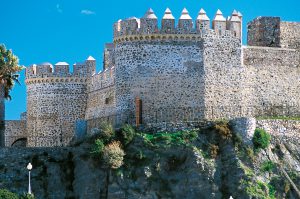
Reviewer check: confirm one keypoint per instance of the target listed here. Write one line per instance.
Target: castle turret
(219, 23)
(240, 15)
(129, 26)
(202, 22)
(55, 101)
(168, 22)
(117, 28)
(234, 24)
(241, 18)
(61, 68)
(149, 22)
(91, 65)
(108, 55)
(185, 23)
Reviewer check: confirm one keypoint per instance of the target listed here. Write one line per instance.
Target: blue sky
(71, 30)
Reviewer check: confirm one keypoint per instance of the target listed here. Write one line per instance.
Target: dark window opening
(108, 100)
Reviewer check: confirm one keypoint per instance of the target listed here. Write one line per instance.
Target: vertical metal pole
(29, 186)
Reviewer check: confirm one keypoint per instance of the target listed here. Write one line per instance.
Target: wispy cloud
(58, 8)
(87, 12)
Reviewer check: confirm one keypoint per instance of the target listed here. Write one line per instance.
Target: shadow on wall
(21, 142)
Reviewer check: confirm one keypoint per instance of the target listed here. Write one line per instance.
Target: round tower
(160, 73)
(55, 101)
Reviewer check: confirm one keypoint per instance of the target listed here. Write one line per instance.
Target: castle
(188, 72)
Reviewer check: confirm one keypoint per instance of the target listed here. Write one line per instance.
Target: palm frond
(9, 68)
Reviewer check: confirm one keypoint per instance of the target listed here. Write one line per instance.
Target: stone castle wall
(272, 32)
(223, 97)
(164, 66)
(15, 130)
(53, 108)
(183, 73)
(272, 81)
(166, 75)
(264, 31)
(286, 129)
(290, 34)
(56, 99)
(101, 102)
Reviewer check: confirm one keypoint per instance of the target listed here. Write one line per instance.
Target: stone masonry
(188, 72)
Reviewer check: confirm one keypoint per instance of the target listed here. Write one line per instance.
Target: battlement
(61, 70)
(272, 32)
(146, 28)
(102, 80)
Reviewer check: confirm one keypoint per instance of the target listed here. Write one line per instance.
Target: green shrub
(98, 147)
(190, 135)
(107, 132)
(113, 155)
(128, 133)
(267, 166)
(261, 139)
(164, 137)
(5, 194)
(256, 189)
(170, 138)
(27, 196)
(272, 191)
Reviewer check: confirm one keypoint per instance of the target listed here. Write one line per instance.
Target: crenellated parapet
(146, 28)
(61, 70)
(102, 80)
(56, 100)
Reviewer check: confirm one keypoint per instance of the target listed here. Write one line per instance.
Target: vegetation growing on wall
(261, 139)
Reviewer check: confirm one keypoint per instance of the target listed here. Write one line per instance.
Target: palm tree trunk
(2, 116)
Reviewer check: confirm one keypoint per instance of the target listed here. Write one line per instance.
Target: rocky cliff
(213, 162)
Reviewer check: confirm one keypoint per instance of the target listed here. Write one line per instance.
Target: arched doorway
(21, 142)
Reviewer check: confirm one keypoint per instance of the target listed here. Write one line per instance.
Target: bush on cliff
(27, 196)
(107, 131)
(261, 139)
(98, 147)
(267, 166)
(128, 133)
(5, 194)
(222, 127)
(166, 139)
(113, 155)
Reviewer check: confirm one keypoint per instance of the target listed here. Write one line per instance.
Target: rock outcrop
(217, 164)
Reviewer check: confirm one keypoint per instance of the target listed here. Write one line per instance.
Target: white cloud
(58, 8)
(87, 12)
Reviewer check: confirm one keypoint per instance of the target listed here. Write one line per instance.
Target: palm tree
(9, 68)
